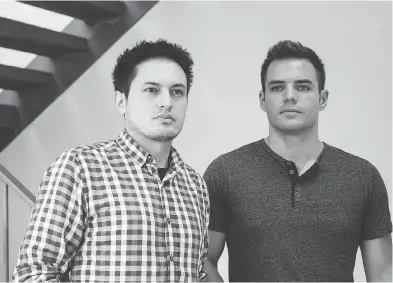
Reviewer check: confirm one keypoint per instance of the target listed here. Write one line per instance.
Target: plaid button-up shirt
(103, 213)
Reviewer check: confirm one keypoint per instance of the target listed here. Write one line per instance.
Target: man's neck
(301, 148)
(158, 149)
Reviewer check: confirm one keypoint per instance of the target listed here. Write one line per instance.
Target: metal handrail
(5, 228)
(17, 186)
(11, 182)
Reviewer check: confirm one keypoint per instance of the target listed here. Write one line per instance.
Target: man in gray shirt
(291, 207)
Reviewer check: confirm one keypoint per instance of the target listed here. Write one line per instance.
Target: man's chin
(292, 128)
(163, 137)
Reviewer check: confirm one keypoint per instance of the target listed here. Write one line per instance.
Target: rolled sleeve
(56, 225)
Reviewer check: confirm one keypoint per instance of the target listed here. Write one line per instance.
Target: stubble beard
(164, 136)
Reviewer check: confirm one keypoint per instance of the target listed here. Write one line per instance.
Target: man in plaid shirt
(128, 209)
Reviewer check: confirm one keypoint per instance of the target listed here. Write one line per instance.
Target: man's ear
(323, 99)
(262, 100)
(121, 102)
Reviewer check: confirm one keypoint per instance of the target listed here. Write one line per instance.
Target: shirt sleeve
(205, 246)
(56, 225)
(377, 220)
(216, 180)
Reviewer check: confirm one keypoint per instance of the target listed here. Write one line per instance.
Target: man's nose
(165, 99)
(290, 93)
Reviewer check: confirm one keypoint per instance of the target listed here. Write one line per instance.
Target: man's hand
(216, 246)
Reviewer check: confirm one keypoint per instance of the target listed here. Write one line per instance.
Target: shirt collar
(134, 150)
(282, 161)
(176, 161)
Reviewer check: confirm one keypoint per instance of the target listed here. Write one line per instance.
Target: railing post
(7, 182)
(5, 253)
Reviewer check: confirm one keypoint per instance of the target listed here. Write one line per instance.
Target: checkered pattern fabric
(103, 214)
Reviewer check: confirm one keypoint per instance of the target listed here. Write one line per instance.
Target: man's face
(157, 102)
(291, 100)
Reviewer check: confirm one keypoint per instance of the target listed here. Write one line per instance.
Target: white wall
(228, 41)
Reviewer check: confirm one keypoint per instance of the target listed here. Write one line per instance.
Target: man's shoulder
(193, 174)
(340, 157)
(94, 150)
(244, 153)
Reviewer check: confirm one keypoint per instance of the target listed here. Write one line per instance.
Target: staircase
(62, 57)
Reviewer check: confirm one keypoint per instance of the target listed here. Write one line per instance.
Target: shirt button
(289, 162)
(150, 160)
(171, 257)
(168, 220)
(297, 194)
(291, 172)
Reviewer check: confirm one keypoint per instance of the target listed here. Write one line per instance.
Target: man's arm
(376, 245)
(56, 226)
(216, 177)
(216, 246)
(377, 259)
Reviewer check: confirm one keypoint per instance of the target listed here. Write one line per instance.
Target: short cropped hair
(125, 69)
(286, 49)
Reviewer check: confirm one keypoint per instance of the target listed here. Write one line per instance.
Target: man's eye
(178, 92)
(151, 89)
(303, 88)
(276, 88)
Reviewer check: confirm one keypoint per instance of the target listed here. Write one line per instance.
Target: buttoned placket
(164, 190)
(295, 184)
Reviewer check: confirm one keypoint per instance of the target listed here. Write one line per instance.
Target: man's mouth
(290, 111)
(165, 117)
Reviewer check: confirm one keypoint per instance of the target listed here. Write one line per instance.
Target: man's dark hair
(287, 49)
(125, 69)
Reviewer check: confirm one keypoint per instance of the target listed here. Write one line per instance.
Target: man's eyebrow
(179, 85)
(303, 81)
(157, 84)
(275, 82)
(152, 83)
